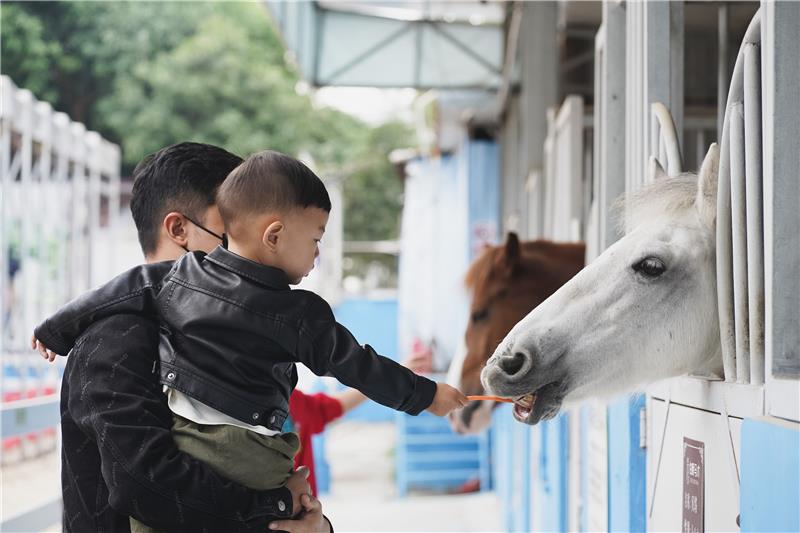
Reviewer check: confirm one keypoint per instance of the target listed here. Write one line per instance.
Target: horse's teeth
(526, 401)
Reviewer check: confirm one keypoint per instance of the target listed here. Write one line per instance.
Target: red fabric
(311, 413)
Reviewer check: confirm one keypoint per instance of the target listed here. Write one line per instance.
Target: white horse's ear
(655, 170)
(707, 179)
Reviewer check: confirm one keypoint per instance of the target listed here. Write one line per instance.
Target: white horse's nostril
(512, 364)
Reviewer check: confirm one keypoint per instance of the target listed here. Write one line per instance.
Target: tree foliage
(149, 74)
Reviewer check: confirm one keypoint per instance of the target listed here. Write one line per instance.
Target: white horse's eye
(651, 267)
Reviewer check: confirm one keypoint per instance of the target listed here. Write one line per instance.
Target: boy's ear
(271, 234)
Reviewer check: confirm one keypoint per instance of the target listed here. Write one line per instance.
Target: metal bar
(25, 101)
(739, 236)
(512, 40)
(319, 26)
(438, 28)
(722, 65)
(611, 124)
(725, 260)
(668, 401)
(402, 30)
(755, 208)
(667, 139)
(28, 416)
(725, 257)
(576, 61)
(418, 56)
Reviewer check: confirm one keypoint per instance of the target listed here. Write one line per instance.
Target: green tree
(149, 74)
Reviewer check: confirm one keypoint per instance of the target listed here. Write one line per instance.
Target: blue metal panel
(372, 322)
(627, 474)
(431, 456)
(551, 481)
(584, 474)
(35, 416)
(484, 193)
(770, 480)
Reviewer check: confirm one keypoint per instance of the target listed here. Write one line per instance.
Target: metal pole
(722, 65)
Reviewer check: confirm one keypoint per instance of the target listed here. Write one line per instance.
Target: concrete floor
(362, 496)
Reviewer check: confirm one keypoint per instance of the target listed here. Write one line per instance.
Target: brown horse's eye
(482, 314)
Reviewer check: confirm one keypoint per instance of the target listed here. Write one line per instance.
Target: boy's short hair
(183, 177)
(269, 181)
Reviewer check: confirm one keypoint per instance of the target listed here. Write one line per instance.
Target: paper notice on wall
(693, 486)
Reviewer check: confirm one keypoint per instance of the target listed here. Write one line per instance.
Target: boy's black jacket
(232, 331)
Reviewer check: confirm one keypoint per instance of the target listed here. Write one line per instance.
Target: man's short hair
(183, 177)
(269, 181)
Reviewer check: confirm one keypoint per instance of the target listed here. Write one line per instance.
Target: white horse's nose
(515, 364)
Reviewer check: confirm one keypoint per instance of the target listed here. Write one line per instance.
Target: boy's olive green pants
(246, 457)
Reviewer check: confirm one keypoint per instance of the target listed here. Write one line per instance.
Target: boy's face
(299, 246)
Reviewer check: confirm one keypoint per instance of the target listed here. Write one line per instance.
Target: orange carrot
(491, 398)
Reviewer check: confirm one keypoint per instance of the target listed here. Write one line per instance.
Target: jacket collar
(262, 274)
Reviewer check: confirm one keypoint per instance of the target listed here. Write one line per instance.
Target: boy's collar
(262, 274)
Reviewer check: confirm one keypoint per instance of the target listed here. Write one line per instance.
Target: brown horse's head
(506, 283)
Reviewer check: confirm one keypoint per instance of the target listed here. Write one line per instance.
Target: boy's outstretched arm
(132, 292)
(447, 398)
(325, 346)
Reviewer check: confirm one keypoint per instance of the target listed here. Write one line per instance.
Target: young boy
(232, 329)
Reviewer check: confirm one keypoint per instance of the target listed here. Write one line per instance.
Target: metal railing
(740, 221)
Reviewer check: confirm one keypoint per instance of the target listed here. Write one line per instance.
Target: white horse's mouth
(523, 406)
(542, 404)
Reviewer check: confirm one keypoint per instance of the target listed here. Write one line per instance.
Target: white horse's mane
(671, 195)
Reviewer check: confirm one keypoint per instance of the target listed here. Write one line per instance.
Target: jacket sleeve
(133, 291)
(117, 402)
(325, 346)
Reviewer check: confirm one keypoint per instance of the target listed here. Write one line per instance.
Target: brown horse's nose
(512, 363)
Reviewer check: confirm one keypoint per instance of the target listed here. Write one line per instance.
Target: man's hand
(48, 354)
(309, 521)
(298, 486)
(447, 398)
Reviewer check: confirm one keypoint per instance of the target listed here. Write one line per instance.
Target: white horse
(644, 310)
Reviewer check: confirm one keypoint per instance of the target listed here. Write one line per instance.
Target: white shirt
(198, 412)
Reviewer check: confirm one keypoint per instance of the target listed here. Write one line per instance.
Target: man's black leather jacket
(231, 332)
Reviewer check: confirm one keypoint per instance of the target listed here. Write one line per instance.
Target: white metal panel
(653, 73)
(721, 441)
(564, 173)
(609, 120)
(781, 73)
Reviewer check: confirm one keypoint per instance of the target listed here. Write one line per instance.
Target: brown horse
(506, 283)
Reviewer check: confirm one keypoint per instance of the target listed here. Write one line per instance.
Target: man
(118, 456)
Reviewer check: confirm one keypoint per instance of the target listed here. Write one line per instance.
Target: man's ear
(707, 179)
(271, 235)
(176, 229)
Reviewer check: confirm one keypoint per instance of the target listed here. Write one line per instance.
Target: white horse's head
(644, 310)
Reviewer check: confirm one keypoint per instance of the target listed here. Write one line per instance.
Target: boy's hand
(48, 354)
(298, 485)
(447, 398)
